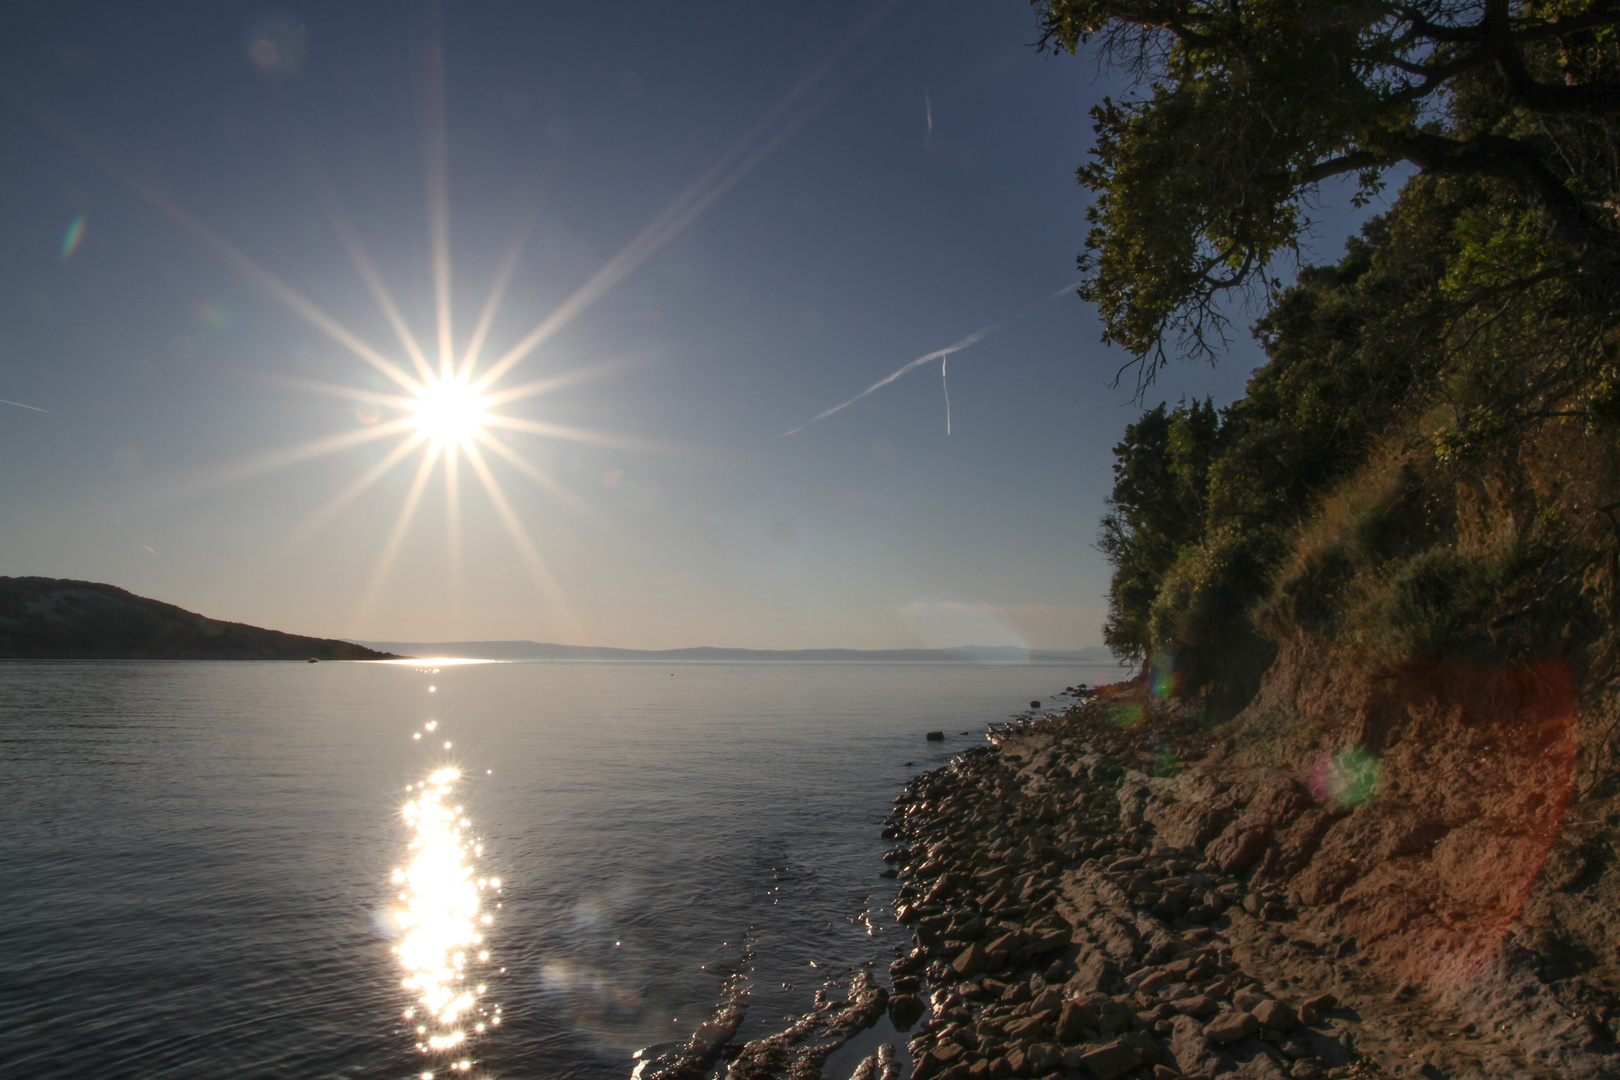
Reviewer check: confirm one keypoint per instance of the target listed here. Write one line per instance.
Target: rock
(1249, 999)
(1305, 1070)
(1112, 1016)
(1275, 1014)
(1237, 848)
(1154, 981)
(1044, 1058)
(1322, 1002)
(1115, 1058)
(927, 1064)
(972, 961)
(999, 949)
(1095, 973)
(1073, 1020)
(1197, 1005)
(1110, 1060)
(1230, 1027)
(936, 736)
(1192, 1052)
(1029, 1027)
(909, 964)
(905, 1010)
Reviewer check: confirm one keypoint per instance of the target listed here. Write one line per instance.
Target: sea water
(204, 866)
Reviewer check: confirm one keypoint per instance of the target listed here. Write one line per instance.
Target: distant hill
(536, 650)
(53, 619)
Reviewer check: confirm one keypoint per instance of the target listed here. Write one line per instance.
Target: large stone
(1073, 1020)
(1315, 1008)
(905, 1010)
(1197, 1005)
(1275, 1014)
(1000, 948)
(1112, 1016)
(1155, 980)
(971, 961)
(1230, 1027)
(1238, 848)
(1049, 1000)
(1110, 1060)
(1044, 1058)
(1096, 972)
(1248, 998)
(1192, 1053)
(1118, 1057)
(1030, 1027)
(926, 1065)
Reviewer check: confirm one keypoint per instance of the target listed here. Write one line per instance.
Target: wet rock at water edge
(905, 1010)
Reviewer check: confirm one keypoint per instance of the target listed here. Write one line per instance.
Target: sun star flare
(447, 411)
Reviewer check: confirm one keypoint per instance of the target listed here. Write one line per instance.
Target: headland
(57, 619)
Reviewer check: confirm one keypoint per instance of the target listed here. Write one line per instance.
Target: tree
(1252, 104)
(1161, 485)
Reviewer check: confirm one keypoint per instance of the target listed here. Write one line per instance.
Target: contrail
(928, 109)
(942, 355)
(20, 405)
(938, 354)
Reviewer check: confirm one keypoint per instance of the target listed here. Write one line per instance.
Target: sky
(722, 220)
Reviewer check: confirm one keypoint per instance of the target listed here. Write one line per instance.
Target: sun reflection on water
(443, 922)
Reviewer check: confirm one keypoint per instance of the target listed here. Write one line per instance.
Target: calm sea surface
(197, 860)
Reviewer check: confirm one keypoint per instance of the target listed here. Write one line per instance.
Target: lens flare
(73, 237)
(441, 919)
(448, 411)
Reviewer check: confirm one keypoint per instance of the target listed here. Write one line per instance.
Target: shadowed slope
(54, 619)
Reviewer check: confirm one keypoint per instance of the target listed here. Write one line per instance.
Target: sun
(449, 411)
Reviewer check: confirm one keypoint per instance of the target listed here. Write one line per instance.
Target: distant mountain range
(537, 650)
(57, 619)
(54, 619)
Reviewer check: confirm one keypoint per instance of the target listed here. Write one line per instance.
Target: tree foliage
(1244, 107)
(1160, 499)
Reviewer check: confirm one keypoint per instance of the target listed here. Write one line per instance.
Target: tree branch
(1521, 164)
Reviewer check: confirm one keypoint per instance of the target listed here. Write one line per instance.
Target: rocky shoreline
(1055, 937)
(1101, 894)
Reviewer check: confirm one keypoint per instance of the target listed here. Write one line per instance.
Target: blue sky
(918, 189)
